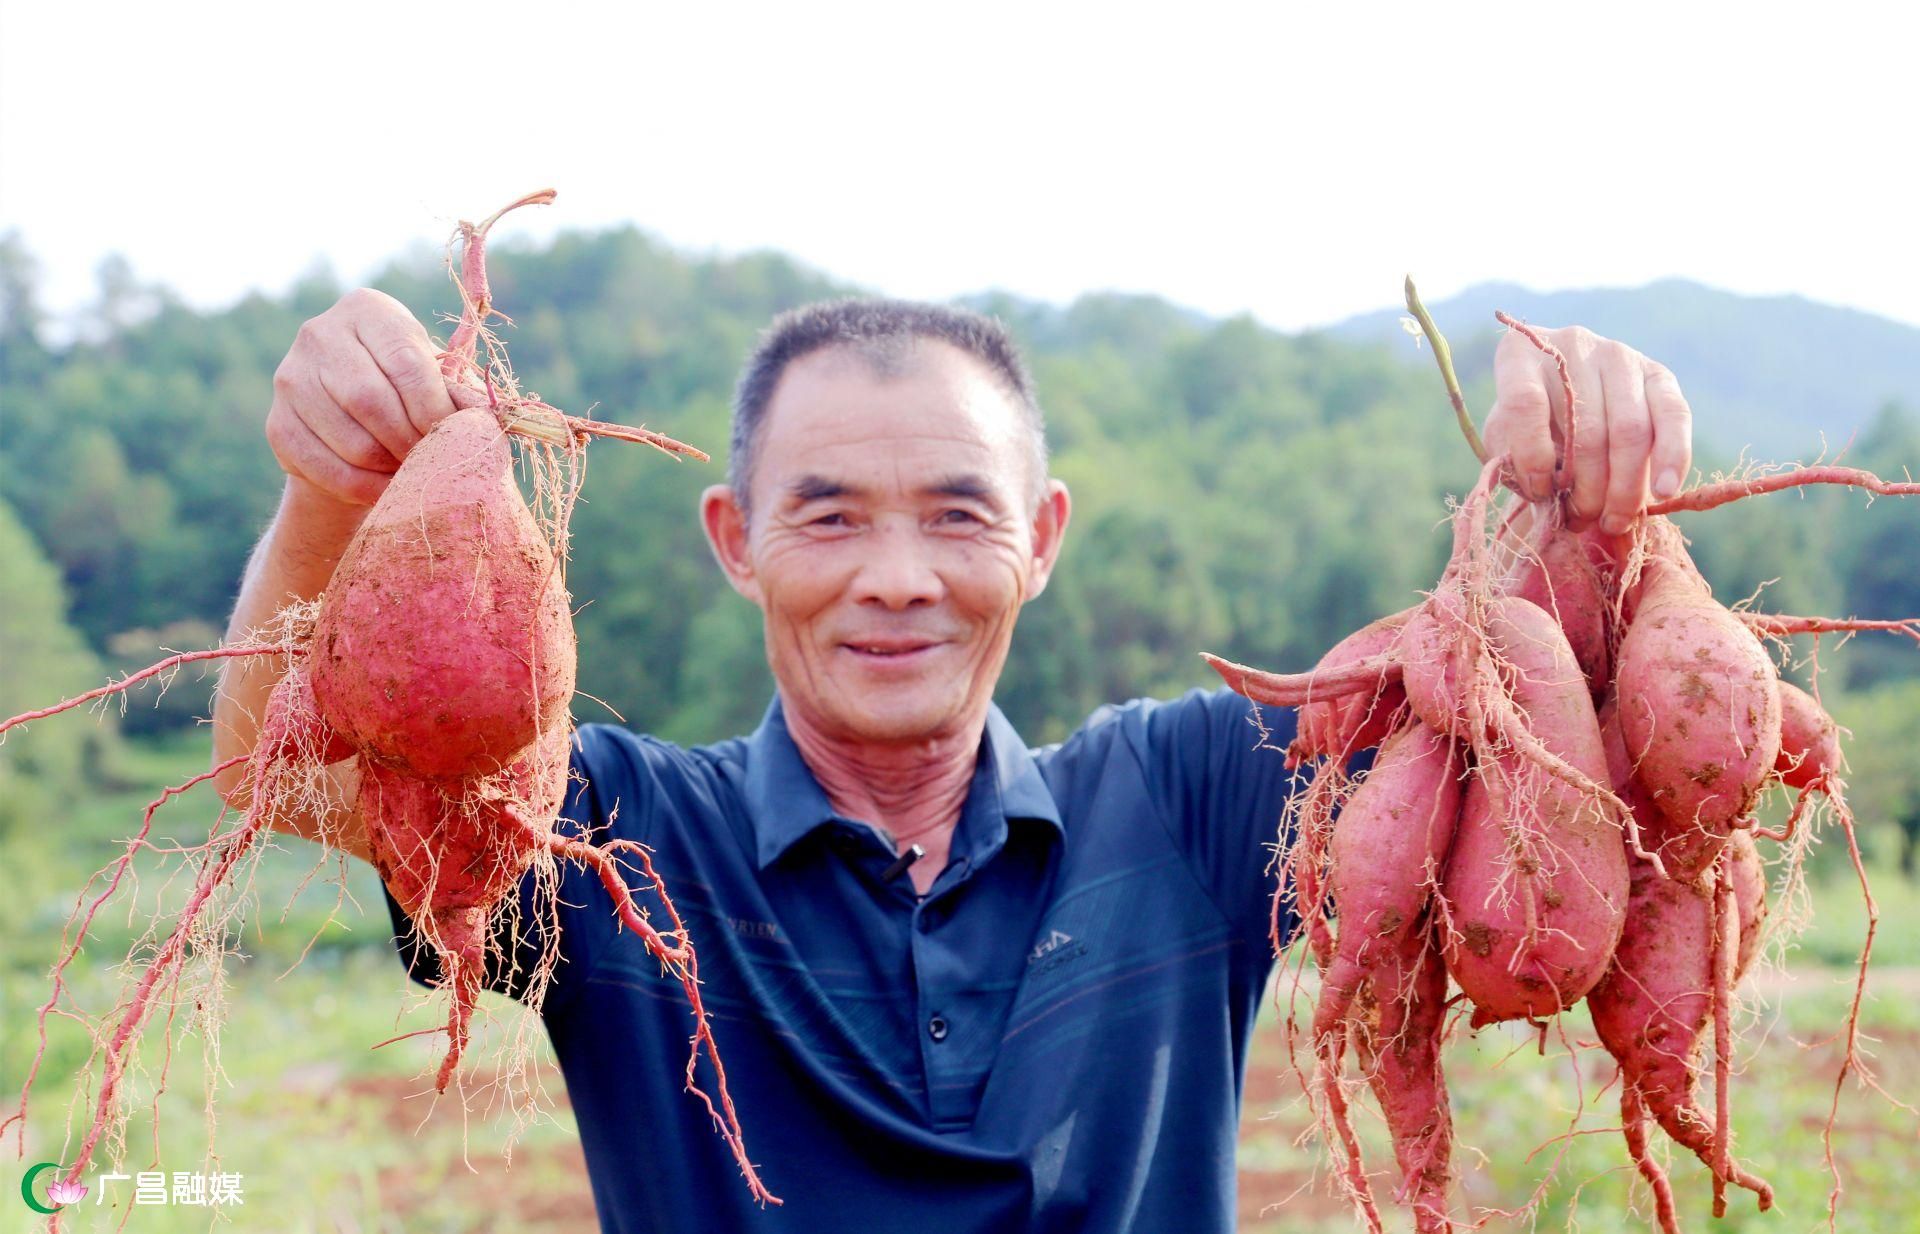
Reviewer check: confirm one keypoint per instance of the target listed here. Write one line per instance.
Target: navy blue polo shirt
(1054, 1038)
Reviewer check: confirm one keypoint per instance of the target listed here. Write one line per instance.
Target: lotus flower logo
(61, 1191)
(64, 1192)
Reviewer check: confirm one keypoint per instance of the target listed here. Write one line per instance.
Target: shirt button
(937, 1028)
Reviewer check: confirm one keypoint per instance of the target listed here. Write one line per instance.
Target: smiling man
(958, 983)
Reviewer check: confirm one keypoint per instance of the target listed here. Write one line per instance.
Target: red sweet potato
(1432, 651)
(1398, 1036)
(1536, 885)
(450, 855)
(1342, 726)
(1700, 712)
(1809, 739)
(1388, 844)
(1561, 578)
(444, 644)
(1652, 1008)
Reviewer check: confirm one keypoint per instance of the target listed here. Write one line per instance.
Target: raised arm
(358, 388)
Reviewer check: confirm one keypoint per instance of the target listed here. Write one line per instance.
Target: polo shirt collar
(785, 802)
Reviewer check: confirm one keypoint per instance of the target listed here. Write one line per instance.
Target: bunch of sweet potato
(1572, 738)
(439, 664)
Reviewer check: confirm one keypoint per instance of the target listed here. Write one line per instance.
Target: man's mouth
(890, 648)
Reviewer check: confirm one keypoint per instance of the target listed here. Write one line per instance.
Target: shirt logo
(1056, 950)
(752, 929)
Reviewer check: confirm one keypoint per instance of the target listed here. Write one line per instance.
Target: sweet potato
(1398, 1036)
(1388, 843)
(445, 645)
(1809, 739)
(1536, 884)
(1432, 651)
(440, 663)
(1562, 579)
(1345, 725)
(1700, 712)
(1388, 846)
(450, 857)
(1651, 1010)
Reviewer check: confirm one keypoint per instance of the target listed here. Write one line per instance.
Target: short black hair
(882, 333)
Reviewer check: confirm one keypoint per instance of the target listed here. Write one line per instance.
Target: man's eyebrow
(816, 488)
(969, 485)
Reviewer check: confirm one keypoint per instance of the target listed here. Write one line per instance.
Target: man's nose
(898, 572)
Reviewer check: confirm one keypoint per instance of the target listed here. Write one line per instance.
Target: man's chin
(903, 721)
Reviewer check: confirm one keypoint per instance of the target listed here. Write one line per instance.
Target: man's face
(892, 541)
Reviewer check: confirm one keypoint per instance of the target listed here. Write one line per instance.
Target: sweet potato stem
(1443, 356)
(462, 348)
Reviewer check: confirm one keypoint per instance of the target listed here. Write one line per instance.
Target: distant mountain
(1768, 372)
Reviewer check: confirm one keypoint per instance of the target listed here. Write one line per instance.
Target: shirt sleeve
(562, 901)
(1216, 766)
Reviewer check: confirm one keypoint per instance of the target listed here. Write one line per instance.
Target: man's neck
(911, 791)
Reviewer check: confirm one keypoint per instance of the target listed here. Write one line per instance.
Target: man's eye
(957, 516)
(829, 520)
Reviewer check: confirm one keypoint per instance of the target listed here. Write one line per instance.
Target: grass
(331, 1135)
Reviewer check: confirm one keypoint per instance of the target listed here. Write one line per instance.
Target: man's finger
(1588, 462)
(320, 411)
(358, 387)
(1521, 422)
(1629, 437)
(302, 452)
(403, 353)
(1672, 430)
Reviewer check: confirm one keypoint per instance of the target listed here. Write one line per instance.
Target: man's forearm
(293, 562)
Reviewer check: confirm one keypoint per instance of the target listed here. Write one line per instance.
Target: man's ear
(1049, 530)
(726, 528)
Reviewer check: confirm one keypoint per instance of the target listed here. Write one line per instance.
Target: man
(958, 984)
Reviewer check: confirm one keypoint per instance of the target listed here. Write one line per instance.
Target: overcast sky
(1289, 160)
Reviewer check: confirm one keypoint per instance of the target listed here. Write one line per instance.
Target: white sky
(1292, 160)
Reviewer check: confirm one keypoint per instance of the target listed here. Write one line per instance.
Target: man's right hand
(358, 388)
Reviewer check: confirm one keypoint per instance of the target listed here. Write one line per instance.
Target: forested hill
(1237, 489)
(1767, 372)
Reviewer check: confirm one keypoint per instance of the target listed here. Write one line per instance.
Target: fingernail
(1613, 525)
(1668, 484)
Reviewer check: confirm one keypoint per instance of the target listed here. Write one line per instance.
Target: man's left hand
(1631, 424)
